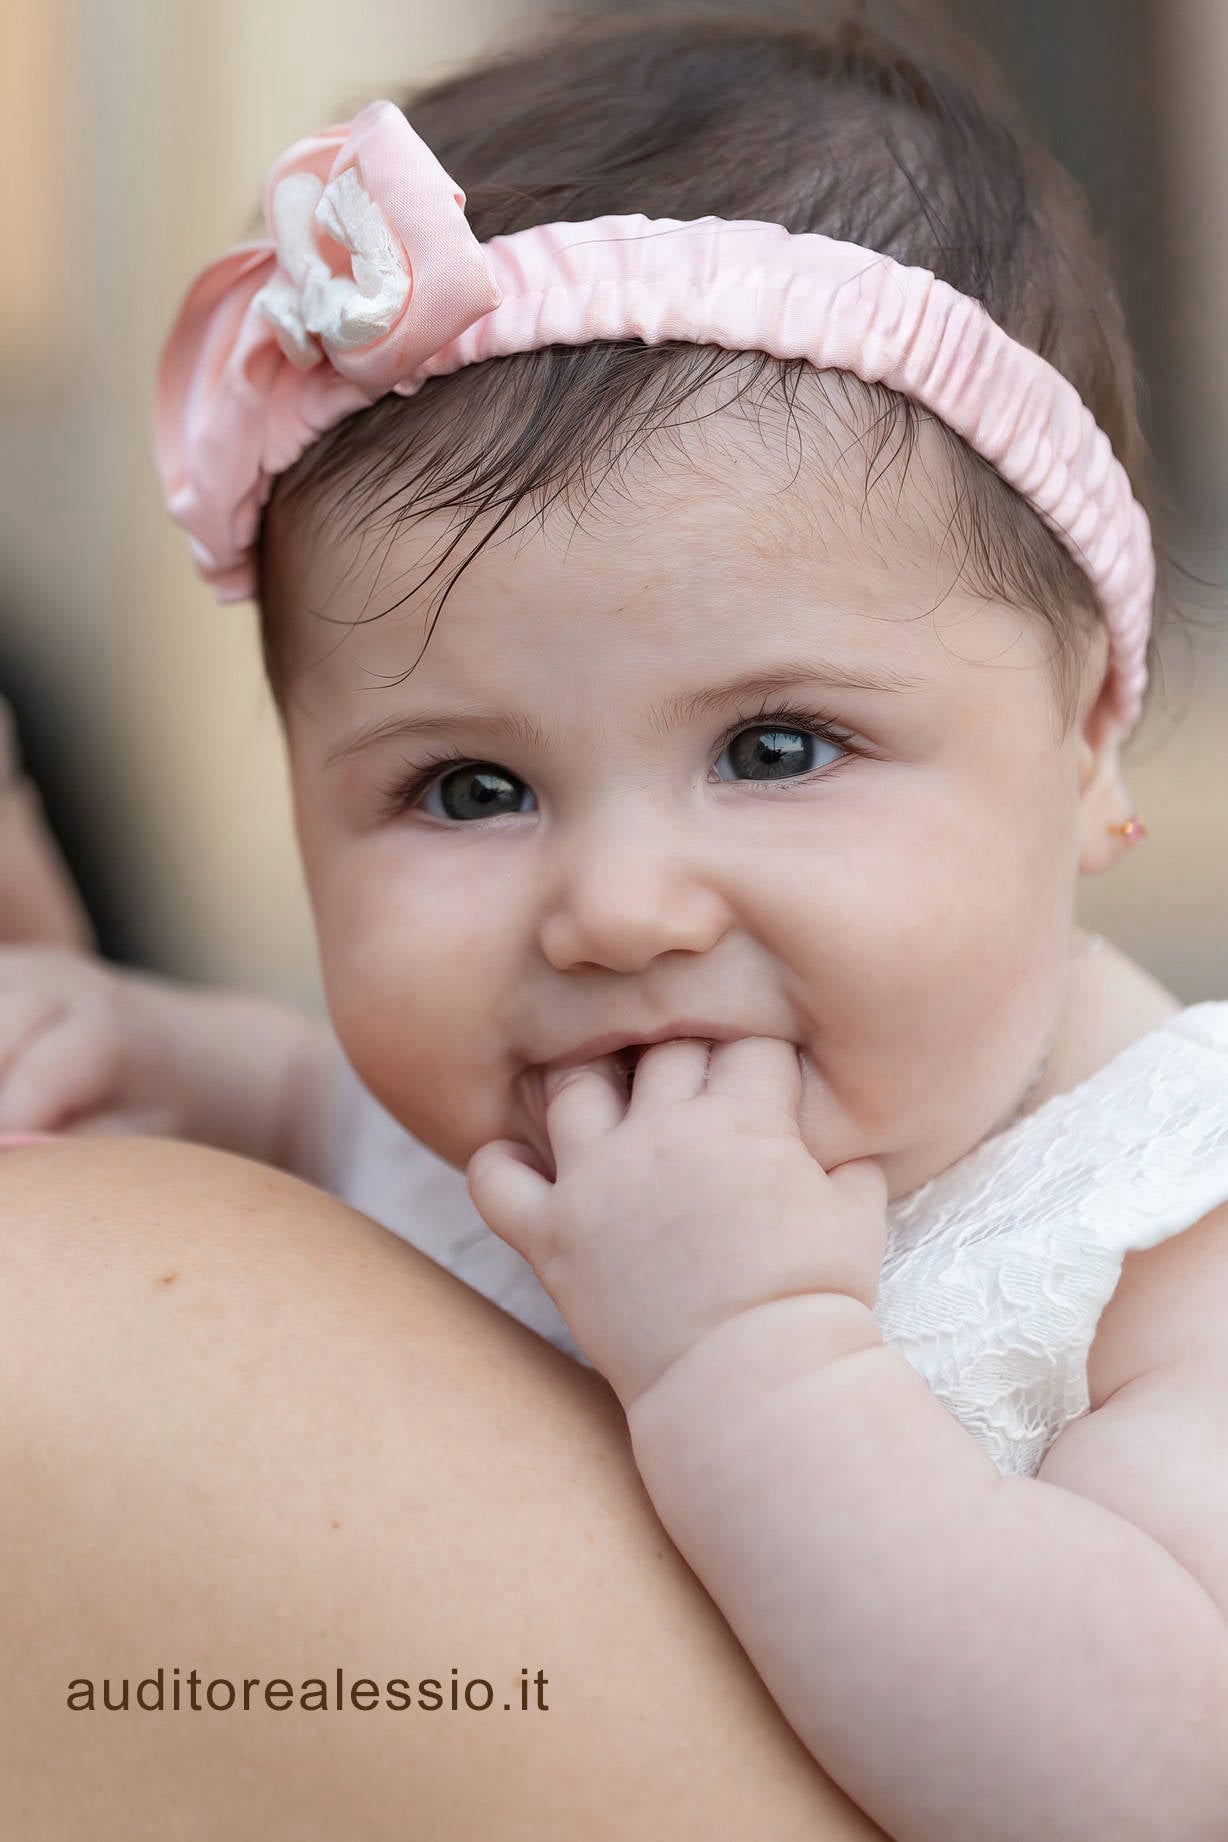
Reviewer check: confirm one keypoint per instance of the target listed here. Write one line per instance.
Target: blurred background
(135, 134)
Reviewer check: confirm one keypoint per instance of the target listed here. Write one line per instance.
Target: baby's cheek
(386, 1024)
(414, 1023)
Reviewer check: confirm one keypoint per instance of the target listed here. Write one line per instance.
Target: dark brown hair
(868, 122)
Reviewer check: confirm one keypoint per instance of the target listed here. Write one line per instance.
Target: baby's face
(882, 874)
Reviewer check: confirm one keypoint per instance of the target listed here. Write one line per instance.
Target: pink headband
(374, 282)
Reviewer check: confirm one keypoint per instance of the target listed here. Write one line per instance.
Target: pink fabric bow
(371, 264)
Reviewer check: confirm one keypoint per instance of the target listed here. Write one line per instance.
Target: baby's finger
(508, 1191)
(583, 1103)
(674, 1070)
(57, 1079)
(767, 1065)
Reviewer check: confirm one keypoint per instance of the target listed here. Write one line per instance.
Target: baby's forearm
(253, 1072)
(972, 1658)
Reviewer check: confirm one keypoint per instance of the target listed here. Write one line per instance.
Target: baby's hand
(684, 1206)
(82, 1047)
(89, 1047)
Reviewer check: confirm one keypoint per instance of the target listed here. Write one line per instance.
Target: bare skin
(38, 899)
(249, 1433)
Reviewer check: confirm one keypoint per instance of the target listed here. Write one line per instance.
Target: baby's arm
(968, 1655)
(971, 1657)
(89, 1046)
(253, 1074)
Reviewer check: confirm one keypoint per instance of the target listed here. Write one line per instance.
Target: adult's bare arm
(249, 1433)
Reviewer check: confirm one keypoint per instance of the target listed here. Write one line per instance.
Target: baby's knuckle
(670, 1143)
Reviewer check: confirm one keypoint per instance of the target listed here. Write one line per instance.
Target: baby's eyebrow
(785, 676)
(681, 708)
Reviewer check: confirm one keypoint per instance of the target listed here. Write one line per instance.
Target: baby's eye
(478, 790)
(774, 751)
(778, 746)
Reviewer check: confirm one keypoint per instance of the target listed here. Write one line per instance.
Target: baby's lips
(551, 1076)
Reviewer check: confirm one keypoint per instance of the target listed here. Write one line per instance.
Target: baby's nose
(620, 906)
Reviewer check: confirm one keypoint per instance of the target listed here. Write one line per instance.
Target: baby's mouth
(628, 1058)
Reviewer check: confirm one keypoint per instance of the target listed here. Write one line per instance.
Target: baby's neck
(1109, 1001)
(1033, 1094)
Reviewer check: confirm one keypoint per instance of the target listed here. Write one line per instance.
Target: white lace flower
(304, 301)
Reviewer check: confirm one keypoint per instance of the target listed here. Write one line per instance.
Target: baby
(695, 890)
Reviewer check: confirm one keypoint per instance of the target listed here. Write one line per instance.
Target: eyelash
(399, 795)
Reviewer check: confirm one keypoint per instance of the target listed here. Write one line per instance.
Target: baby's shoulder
(1169, 1305)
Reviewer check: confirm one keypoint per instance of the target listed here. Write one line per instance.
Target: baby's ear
(1103, 799)
(1099, 748)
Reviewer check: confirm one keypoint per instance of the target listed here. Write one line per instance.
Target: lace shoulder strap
(1168, 1135)
(998, 1270)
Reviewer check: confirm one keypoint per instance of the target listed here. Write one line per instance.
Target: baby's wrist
(238, 1070)
(758, 1351)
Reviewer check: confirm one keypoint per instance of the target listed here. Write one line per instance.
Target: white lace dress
(996, 1271)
